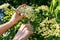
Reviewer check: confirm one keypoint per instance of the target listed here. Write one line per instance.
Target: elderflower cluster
(5, 5)
(49, 28)
(43, 8)
(27, 10)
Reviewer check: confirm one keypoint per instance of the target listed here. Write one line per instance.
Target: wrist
(11, 22)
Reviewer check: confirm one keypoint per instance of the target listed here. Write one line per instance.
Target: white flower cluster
(43, 8)
(49, 28)
(5, 5)
(27, 10)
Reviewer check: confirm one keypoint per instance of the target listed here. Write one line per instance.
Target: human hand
(21, 6)
(24, 32)
(17, 16)
(26, 28)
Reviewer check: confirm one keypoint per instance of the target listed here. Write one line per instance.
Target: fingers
(19, 14)
(23, 5)
(25, 27)
(28, 29)
(22, 27)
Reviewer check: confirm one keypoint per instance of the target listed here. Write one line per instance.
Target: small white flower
(5, 5)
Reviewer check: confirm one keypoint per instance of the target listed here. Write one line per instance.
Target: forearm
(5, 27)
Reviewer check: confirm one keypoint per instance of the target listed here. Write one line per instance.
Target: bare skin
(15, 18)
(10, 24)
(25, 30)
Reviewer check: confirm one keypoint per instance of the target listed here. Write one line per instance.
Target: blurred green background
(45, 20)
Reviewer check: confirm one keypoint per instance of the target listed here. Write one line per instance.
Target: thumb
(17, 12)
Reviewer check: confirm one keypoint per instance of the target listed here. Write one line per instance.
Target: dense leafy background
(45, 19)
